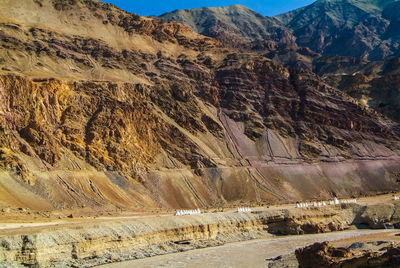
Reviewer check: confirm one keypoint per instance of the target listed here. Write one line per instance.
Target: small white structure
(239, 210)
(396, 198)
(349, 201)
(187, 212)
(302, 205)
(337, 202)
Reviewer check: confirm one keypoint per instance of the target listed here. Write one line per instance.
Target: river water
(241, 254)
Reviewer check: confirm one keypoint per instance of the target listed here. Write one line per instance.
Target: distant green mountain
(361, 28)
(234, 25)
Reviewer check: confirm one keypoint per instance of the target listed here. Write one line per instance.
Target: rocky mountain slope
(235, 26)
(360, 43)
(360, 28)
(375, 84)
(337, 39)
(105, 109)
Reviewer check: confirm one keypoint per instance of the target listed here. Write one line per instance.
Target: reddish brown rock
(324, 255)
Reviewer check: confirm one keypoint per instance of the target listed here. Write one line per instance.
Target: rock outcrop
(324, 255)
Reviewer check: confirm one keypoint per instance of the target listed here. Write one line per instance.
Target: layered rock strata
(89, 244)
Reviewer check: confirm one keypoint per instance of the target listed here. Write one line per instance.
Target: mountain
(336, 39)
(359, 40)
(373, 83)
(359, 28)
(234, 25)
(105, 110)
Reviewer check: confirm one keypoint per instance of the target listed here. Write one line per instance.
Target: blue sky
(158, 7)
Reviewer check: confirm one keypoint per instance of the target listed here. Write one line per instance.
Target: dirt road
(31, 225)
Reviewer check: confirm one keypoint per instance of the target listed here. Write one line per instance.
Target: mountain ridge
(233, 25)
(333, 30)
(362, 29)
(344, 27)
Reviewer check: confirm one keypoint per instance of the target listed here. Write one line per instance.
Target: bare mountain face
(360, 43)
(104, 109)
(360, 28)
(339, 40)
(235, 26)
(374, 83)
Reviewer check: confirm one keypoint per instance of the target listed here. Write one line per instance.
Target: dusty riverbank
(115, 240)
(249, 253)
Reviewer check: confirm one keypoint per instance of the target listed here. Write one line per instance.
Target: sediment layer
(96, 243)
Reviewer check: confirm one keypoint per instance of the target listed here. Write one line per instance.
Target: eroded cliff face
(374, 84)
(90, 244)
(142, 113)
